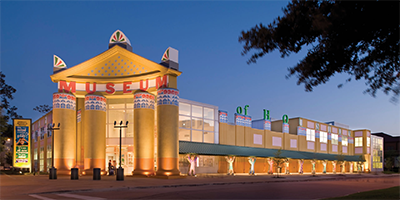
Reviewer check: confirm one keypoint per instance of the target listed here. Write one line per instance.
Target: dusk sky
(206, 35)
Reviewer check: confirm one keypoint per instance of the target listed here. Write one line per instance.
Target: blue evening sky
(206, 35)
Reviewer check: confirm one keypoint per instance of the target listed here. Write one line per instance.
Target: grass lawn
(388, 193)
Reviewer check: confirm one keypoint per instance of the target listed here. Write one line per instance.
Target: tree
(43, 108)
(357, 38)
(278, 161)
(340, 161)
(7, 111)
(360, 162)
(6, 94)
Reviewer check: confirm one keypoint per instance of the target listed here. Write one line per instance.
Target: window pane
(323, 136)
(114, 132)
(184, 134)
(129, 118)
(197, 123)
(209, 137)
(184, 109)
(197, 111)
(209, 125)
(197, 136)
(116, 106)
(116, 115)
(184, 121)
(208, 113)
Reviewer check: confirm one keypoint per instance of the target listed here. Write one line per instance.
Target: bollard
(74, 174)
(53, 173)
(120, 174)
(96, 174)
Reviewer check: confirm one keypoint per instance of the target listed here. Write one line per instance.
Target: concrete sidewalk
(29, 184)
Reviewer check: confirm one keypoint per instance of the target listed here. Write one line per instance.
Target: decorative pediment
(58, 62)
(119, 37)
(115, 64)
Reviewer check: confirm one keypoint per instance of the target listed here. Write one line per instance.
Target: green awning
(223, 150)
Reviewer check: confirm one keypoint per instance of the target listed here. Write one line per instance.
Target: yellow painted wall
(287, 137)
(277, 126)
(239, 135)
(293, 124)
(268, 139)
(249, 137)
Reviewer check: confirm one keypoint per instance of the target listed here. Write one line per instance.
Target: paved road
(227, 189)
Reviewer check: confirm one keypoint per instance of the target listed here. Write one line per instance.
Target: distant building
(391, 148)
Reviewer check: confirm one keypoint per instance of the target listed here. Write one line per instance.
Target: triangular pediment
(116, 64)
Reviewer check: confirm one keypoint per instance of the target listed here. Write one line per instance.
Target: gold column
(143, 133)
(94, 133)
(167, 129)
(80, 106)
(64, 139)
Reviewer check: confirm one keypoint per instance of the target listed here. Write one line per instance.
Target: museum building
(162, 129)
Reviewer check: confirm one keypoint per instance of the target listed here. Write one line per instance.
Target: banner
(22, 143)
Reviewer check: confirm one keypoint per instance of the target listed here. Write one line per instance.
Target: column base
(138, 172)
(90, 172)
(174, 172)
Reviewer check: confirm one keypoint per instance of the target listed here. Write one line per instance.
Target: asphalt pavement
(214, 185)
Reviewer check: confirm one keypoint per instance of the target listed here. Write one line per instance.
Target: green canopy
(223, 150)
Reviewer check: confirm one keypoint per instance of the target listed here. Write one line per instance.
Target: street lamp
(120, 170)
(53, 170)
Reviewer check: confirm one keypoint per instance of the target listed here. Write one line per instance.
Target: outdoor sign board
(22, 143)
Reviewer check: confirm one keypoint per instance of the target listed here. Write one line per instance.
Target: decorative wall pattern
(95, 102)
(340, 138)
(351, 140)
(118, 36)
(285, 128)
(242, 120)
(223, 116)
(317, 134)
(64, 101)
(168, 96)
(329, 136)
(301, 131)
(267, 125)
(143, 100)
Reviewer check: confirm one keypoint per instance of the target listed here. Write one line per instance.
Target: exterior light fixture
(120, 170)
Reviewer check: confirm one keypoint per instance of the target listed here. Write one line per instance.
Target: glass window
(335, 139)
(184, 121)
(35, 154)
(208, 137)
(358, 142)
(344, 140)
(129, 118)
(48, 151)
(197, 111)
(368, 141)
(323, 136)
(116, 115)
(184, 109)
(208, 113)
(197, 136)
(209, 125)
(114, 132)
(197, 123)
(184, 134)
(310, 135)
(116, 106)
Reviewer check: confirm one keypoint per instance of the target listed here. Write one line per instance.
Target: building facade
(119, 86)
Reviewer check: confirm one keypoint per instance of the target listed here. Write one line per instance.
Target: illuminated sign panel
(22, 143)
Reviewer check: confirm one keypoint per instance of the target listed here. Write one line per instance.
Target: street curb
(210, 184)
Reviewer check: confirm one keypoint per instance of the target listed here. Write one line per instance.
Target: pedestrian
(109, 167)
